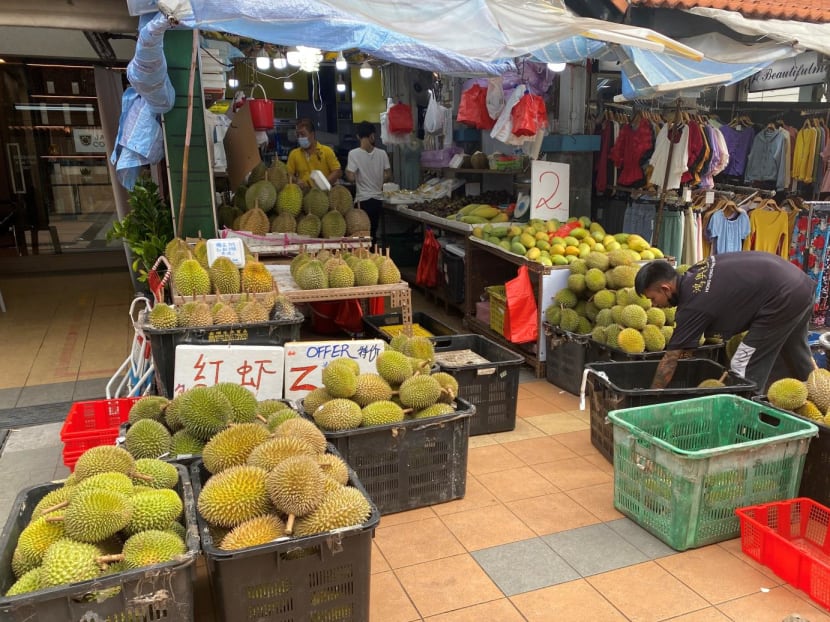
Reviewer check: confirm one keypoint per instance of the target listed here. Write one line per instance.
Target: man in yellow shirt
(311, 156)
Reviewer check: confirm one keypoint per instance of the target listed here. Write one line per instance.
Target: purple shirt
(738, 144)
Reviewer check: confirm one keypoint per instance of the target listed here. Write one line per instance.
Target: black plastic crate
(159, 592)
(815, 480)
(493, 387)
(375, 325)
(625, 384)
(411, 464)
(163, 342)
(405, 247)
(567, 355)
(320, 577)
(451, 266)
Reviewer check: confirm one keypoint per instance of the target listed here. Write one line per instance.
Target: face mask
(304, 142)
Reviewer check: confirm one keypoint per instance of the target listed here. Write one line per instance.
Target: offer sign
(550, 190)
(258, 368)
(305, 360)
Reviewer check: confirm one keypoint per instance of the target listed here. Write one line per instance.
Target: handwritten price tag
(550, 190)
(305, 360)
(258, 368)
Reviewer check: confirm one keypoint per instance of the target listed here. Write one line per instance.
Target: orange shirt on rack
(769, 231)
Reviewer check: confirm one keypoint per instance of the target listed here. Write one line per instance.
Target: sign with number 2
(550, 190)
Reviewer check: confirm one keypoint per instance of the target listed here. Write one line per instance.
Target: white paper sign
(258, 368)
(232, 248)
(550, 190)
(305, 360)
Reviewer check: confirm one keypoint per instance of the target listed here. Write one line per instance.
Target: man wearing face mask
(728, 294)
(311, 156)
(368, 167)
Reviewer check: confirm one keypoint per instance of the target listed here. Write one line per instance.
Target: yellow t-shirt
(301, 163)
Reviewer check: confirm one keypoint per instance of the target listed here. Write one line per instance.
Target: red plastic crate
(93, 423)
(791, 538)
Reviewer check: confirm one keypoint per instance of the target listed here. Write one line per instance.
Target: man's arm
(387, 174)
(334, 176)
(350, 175)
(667, 366)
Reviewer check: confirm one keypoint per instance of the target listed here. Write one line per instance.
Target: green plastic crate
(682, 468)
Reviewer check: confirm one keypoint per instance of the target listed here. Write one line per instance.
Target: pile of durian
(160, 428)
(114, 513)
(600, 301)
(810, 399)
(268, 203)
(247, 309)
(343, 269)
(403, 387)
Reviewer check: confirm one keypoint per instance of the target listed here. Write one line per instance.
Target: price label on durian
(258, 368)
(305, 360)
(550, 190)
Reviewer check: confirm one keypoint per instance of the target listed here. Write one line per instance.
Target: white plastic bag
(495, 97)
(503, 129)
(434, 116)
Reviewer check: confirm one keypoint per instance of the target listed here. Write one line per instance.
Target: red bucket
(262, 111)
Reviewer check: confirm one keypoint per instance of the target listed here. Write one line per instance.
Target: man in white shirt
(368, 167)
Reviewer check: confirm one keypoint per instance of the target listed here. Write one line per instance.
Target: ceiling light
(233, 83)
(341, 85)
(279, 60)
(3, 60)
(288, 85)
(341, 64)
(293, 58)
(263, 61)
(557, 67)
(310, 58)
(366, 70)
(65, 107)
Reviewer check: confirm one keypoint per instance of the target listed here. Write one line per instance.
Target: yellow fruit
(599, 248)
(527, 240)
(500, 217)
(533, 253)
(590, 242)
(571, 241)
(558, 260)
(557, 249)
(658, 254)
(543, 245)
(647, 255)
(541, 235)
(572, 250)
(478, 232)
(514, 231)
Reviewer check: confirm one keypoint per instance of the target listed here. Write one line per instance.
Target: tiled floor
(535, 538)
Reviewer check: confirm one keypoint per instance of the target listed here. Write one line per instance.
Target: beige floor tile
(535, 406)
(582, 415)
(482, 440)
(558, 396)
(599, 461)
(552, 513)
(598, 500)
(522, 431)
(578, 442)
(536, 450)
(647, 593)
(486, 527)
(491, 458)
(734, 547)
(410, 516)
(379, 563)
(447, 585)
(572, 473)
(524, 392)
(772, 606)
(733, 579)
(501, 610)
(415, 543)
(388, 601)
(476, 496)
(514, 484)
(558, 423)
(575, 601)
(710, 614)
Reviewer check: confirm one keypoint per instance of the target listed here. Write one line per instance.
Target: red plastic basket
(93, 423)
(791, 538)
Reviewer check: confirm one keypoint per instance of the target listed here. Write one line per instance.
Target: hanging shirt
(659, 159)
(728, 234)
(725, 293)
(805, 152)
(769, 231)
(738, 143)
(694, 149)
(766, 159)
(629, 152)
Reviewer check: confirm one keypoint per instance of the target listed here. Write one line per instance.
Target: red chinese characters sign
(258, 368)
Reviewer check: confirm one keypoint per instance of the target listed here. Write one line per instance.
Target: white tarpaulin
(804, 35)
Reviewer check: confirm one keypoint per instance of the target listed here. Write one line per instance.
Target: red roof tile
(815, 11)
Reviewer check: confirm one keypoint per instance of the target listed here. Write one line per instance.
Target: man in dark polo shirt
(730, 293)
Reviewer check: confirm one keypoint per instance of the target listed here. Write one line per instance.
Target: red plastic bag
(427, 274)
(472, 109)
(521, 320)
(400, 119)
(529, 115)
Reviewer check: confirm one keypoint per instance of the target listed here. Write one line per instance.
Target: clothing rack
(813, 208)
(744, 190)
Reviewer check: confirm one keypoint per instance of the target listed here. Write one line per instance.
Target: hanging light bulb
(557, 67)
(279, 60)
(340, 64)
(341, 85)
(288, 85)
(233, 83)
(293, 58)
(366, 70)
(263, 61)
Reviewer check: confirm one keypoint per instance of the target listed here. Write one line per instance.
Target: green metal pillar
(199, 208)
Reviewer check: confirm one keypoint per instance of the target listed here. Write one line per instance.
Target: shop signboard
(790, 72)
(258, 368)
(550, 190)
(89, 140)
(305, 360)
